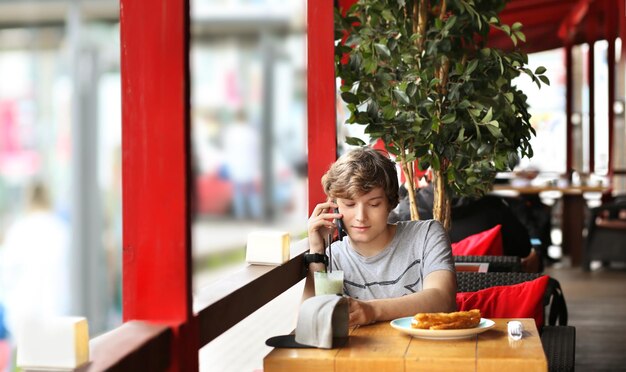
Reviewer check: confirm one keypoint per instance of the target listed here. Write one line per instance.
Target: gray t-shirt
(417, 249)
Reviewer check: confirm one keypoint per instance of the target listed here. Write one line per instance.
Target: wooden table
(572, 216)
(379, 347)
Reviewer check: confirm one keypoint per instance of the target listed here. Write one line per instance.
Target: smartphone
(341, 231)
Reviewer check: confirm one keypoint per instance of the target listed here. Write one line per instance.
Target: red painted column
(156, 171)
(322, 130)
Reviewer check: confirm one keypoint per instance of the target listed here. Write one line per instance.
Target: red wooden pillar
(156, 171)
(322, 130)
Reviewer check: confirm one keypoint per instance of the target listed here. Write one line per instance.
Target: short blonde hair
(360, 171)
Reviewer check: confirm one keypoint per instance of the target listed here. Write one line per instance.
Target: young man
(390, 270)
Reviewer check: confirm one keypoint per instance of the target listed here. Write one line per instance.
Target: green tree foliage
(420, 76)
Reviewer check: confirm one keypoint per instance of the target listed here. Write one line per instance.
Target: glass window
(248, 119)
(547, 107)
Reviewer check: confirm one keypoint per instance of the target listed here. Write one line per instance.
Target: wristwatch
(315, 257)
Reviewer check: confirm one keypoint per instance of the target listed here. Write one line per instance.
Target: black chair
(606, 234)
(559, 341)
(559, 344)
(496, 263)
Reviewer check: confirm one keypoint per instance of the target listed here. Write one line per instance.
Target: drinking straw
(330, 254)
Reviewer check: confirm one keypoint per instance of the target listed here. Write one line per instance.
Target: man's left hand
(361, 313)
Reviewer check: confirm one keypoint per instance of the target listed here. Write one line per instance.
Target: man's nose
(360, 213)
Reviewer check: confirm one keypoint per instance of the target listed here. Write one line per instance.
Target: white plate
(404, 325)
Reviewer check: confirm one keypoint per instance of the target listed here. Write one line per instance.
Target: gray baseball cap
(322, 323)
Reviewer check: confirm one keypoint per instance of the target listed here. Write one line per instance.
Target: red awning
(582, 21)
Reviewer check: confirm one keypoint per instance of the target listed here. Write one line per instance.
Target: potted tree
(420, 76)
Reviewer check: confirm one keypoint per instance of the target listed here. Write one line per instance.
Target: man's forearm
(427, 301)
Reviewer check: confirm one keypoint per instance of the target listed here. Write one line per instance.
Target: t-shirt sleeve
(437, 250)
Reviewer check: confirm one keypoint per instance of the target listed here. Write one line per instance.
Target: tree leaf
(435, 162)
(544, 79)
(401, 96)
(495, 131)
(540, 70)
(488, 116)
(355, 141)
(388, 16)
(471, 66)
(421, 151)
(461, 135)
(513, 160)
(392, 44)
(349, 97)
(475, 112)
(393, 150)
(382, 50)
(372, 108)
(370, 65)
(411, 89)
(362, 118)
(484, 147)
(389, 112)
(464, 104)
(449, 118)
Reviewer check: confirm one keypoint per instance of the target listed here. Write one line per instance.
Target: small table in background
(379, 347)
(572, 216)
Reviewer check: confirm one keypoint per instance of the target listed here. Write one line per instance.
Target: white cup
(515, 330)
(328, 283)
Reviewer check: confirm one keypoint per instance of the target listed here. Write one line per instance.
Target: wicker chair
(496, 263)
(467, 282)
(606, 234)
(559, 341)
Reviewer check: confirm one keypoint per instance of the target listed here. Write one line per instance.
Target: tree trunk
(441, 204)
(421, 24)
(407, 170)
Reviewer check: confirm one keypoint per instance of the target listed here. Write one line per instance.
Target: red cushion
(486, 243)
(523, 300)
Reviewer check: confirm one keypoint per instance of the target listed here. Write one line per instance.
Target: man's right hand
(321, 224)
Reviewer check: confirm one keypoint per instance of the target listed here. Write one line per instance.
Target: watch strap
(315, 258)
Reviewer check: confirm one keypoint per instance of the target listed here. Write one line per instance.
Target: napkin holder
(53, 344)
(267, 247)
